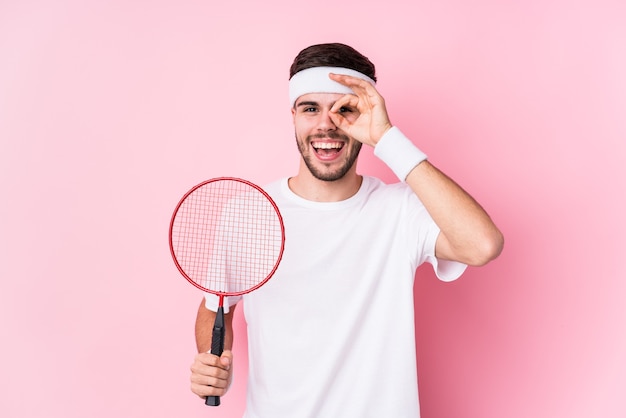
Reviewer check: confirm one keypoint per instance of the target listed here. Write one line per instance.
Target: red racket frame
(282, 230)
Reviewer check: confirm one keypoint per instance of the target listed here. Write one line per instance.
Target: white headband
(316, 80)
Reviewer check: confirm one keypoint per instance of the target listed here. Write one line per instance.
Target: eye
(344, 109)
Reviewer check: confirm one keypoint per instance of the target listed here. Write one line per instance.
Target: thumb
(339, 121)
(226, 359)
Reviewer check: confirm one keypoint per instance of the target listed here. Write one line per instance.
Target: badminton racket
(226, 238)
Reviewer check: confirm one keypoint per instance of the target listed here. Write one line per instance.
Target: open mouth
(327, 148)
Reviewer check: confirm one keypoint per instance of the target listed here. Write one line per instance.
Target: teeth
(327, 145)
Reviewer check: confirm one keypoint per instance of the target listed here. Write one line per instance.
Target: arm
(204, 326)
(211, 375)
(467, 233)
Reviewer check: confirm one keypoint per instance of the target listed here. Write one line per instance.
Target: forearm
(467, 233)
(204, 328)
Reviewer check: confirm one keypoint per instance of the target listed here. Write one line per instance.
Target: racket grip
(217, 348)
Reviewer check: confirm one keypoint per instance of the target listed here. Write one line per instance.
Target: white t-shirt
(331, 334)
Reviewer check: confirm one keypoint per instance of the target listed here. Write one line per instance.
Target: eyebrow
(307, 103)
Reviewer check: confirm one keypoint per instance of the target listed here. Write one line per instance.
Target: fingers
(348, 101)
(363, 89)
(362, 115)
(211, 375)
(365, 99)
(345, 111)
(354, 83)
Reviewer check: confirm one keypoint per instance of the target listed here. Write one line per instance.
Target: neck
(308, 187)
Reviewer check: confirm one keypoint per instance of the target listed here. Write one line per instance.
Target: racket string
(227, 236)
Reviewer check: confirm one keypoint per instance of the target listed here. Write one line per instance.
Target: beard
(320, 173)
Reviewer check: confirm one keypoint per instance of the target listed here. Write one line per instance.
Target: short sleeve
(446, 270)
(211, 302)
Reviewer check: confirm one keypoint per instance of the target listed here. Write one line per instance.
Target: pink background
(110, 110)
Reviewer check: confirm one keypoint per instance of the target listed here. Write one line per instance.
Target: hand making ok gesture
(372, 120)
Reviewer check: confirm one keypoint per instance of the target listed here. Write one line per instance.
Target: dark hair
(332, 55)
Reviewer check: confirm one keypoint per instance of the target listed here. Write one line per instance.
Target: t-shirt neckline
(291, 196)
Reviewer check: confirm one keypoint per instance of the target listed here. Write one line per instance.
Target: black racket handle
(217, 347)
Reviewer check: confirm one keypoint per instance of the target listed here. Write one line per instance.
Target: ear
(293, 114)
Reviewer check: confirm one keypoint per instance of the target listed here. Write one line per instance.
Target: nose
(325, 123)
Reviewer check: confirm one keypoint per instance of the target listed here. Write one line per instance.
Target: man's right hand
(211, 375)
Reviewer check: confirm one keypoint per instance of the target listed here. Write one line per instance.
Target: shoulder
(395, 200)
(273, 188)
(376, 188)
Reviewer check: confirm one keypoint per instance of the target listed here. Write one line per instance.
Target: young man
(332, 333)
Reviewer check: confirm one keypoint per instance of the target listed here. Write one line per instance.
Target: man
(332, 333)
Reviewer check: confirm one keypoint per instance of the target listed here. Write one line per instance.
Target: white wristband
(398, 152)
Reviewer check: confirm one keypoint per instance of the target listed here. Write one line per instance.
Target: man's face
(327, 152)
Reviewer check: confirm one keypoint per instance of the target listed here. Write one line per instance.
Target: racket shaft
(217, 347)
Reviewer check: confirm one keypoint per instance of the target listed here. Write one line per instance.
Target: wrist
(398, 152)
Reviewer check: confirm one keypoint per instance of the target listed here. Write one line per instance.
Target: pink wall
(110, 110)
